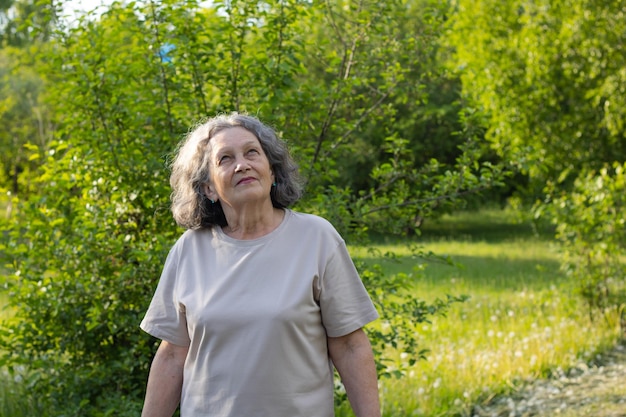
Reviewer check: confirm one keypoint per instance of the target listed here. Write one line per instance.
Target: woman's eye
(224, 158)
(253, 151)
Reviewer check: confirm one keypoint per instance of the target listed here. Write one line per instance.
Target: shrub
(590, 224)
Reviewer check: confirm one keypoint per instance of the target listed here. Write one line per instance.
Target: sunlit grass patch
(488, 346)
(523, 319)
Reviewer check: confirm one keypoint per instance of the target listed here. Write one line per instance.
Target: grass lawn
(522, 319)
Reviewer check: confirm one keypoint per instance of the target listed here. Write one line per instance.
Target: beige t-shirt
(255, 315)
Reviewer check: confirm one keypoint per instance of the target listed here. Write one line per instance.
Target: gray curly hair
(190, 171)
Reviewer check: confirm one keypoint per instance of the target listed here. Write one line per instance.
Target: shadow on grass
(489, 225)
(480, 273)
(498, 273)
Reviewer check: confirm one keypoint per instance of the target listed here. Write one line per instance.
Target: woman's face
(240, 171)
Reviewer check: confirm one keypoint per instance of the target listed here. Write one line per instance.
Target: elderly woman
(256, 302)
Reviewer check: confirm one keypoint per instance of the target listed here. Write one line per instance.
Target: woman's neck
(252, 224)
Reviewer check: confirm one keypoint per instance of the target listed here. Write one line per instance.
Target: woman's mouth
(246, 180)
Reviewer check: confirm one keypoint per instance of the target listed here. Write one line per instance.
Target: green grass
(14, 398)
(522, 320)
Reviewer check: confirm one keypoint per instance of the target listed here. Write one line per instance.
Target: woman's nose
(241, 166)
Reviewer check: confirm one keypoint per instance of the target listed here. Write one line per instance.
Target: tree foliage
(24, 22)
(549, 75)
(335, 78)
(25, 119)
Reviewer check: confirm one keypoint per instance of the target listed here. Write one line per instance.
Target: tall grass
(522, 320)
(15, 400)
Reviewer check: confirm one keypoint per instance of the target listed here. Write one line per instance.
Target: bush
(590, 224)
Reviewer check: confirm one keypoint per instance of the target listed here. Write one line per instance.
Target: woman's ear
(209, 193)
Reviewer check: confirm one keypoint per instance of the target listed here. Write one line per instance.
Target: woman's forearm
(352, 356)
(165, 381)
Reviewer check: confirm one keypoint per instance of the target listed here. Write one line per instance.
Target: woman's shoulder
(192, 237)
(310, 219)
(312, 222)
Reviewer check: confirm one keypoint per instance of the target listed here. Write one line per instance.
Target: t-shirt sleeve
(165, 318)
(344, 301)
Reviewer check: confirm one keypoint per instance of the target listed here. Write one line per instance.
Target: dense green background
(396, 111)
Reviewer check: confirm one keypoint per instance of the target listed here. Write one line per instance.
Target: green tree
(25, 118)
(88, 245)
(549, 75)
(24, 22)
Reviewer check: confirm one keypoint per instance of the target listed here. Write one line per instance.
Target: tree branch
(451, 196)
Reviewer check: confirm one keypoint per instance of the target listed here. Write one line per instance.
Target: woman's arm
(352, 356)
(165, 382)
